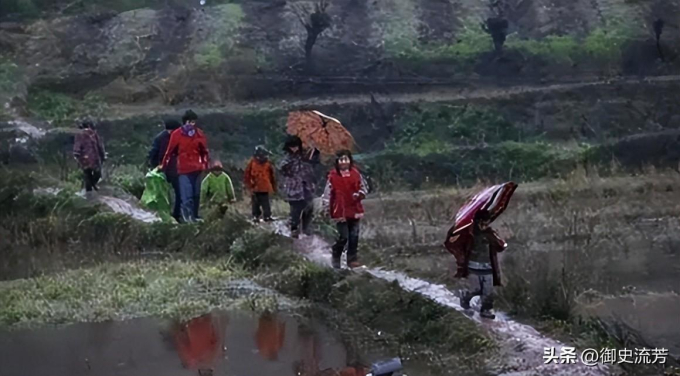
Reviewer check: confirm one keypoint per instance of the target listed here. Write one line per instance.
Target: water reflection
(200, 342)
(227, 344)
(270, 336)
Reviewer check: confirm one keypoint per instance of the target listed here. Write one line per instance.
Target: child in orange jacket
(260, 180)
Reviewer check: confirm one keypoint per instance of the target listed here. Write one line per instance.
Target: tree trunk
(309, 45)
(658, 47)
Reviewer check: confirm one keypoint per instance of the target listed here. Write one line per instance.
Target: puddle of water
(232, 343)
(661, 313)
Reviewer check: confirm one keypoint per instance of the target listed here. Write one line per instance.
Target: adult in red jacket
(345, 188)
(191, 148)
(200, 342)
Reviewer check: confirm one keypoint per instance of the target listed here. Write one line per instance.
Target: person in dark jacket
(345, 188)
(297, 170)
(88, 150)
(191, 148)
(156, 154)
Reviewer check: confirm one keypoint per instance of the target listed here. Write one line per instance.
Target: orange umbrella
(320, 131)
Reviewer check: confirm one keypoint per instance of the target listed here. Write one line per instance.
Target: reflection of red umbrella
(492, 199)
(199, 342)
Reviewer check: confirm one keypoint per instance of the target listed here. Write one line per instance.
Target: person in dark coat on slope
(88, 150)
(156, 154)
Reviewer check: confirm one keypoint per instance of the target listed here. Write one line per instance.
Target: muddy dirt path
(522, 345)
(446, 95)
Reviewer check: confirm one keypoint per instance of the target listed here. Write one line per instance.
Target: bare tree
(315, 21)
(658, 30)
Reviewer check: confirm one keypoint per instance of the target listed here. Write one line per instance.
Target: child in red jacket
(342, 197)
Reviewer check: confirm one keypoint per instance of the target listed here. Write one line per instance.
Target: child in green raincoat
(156, 194)
(217, 189)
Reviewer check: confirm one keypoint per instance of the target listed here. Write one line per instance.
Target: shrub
(506, 161)
(220, 42)
(9, 74)
(61, 109)
(435, 129)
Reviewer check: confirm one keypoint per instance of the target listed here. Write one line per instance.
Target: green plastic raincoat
(157, 194)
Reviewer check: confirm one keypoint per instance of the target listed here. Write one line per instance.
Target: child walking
(345, 189)
(260, 181)
(297, 169)
(88, 150)
(478, 261)
(217, 189)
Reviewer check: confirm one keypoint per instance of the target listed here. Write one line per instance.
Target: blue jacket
(157, 152)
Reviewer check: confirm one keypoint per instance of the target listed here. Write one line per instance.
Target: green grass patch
(117, 291)
(430, 129)
(62, 109)
(10, 74)
(509, 160)
(221, 41)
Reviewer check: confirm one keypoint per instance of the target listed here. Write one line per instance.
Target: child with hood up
(217, 189)
(260, 181)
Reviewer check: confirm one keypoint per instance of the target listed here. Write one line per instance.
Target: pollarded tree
(315, 21)
(497, 25)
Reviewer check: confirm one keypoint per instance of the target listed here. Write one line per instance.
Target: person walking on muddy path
(297, 169)
(88, 150)
(191, 147)
(479, 263)
(259, 179)
(156, 154)
(345, 189)
(217, 189)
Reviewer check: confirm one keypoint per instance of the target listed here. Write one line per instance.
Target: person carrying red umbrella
(475, 245)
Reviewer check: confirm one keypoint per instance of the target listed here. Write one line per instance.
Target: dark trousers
(301, 211)
(173, 180)
(91, 177)
(190, 195)
(348, 235)
(481, 284)
(260, 201)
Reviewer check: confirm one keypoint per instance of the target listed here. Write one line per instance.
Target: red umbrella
(492, 199)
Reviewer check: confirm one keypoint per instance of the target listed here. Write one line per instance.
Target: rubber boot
(486, 310)
(465, 298)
